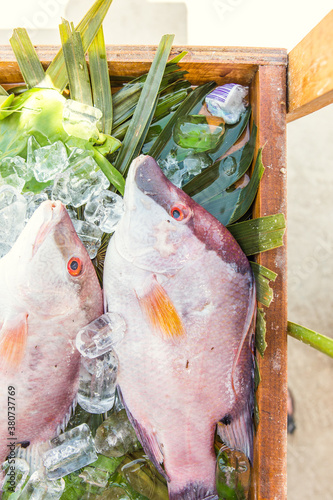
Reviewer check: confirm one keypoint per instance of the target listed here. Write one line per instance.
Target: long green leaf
(115, 177)
(229, 206)
(263, 276)
(77, 70)
(260, 335)
(3, 91)
(100, 80)
(30, 66)
(147, 102)
(222, 174)
(194, 99)
(316, 340)
(259, 235)
(56, 74)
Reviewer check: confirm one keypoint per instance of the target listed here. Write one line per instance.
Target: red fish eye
(177, 212)
(74, 266)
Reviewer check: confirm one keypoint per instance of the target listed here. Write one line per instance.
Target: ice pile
(171, 168)
(39, 487)
(181, 172)
(227, 102)
(70, 451)
(16, 474)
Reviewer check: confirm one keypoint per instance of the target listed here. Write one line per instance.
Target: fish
(48, 291)
(186, 365)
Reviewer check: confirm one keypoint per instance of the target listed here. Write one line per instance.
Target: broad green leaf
(190, 104)
(100, 80)
(77, 70)
(88, 27)
(260, 334)
(316, 340)
(263, 276)
(259, 235)
(230, 205)
(26, 56)
(147, 102)
(222, 174)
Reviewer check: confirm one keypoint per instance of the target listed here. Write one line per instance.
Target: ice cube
(17, 472)
(90, 235)
(95, 476)
(171, 169)
(97, 383)
(49, 161)
(198, 132)
(143, 477)
(70, 451)
(105, 210)
(33, 202)
(227, 102)
(32, 146)
(39, 487)
(81, 120)
(9, 175)
(101, 335)
(60, 190)
(18, 165)
(115, 436)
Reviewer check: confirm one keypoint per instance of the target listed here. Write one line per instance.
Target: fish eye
(179, 212)
(75, 266)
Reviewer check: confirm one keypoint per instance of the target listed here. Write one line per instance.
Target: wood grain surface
(310, 71)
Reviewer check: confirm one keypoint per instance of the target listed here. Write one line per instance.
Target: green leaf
(26, 56)
(3, 91)
(77, 69)
(5, 105)
(259, 235)
(143, 113)
(222, 174)
(193, 100)
(100, 80)
(230, 205)
(112, 174)
(316, 340)
(56, 74)
(263, 276)
(260, 334)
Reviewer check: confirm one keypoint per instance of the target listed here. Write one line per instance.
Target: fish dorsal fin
(161, 312)
(13, 339)
(237, 433)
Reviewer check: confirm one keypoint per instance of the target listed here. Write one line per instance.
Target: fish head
(163, 228)
(49, 266)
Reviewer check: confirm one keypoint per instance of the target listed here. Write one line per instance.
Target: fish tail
(193, 491)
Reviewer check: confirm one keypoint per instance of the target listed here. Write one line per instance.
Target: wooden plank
(202, 63)
(270, 446)
(310, 71)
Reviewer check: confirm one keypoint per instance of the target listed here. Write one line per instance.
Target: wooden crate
(304, 78)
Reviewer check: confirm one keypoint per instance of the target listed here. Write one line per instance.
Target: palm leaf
(26, 56)
(77, 70)
(263, 276)
(100, 80)
(316, 340)
(56, 74)
(259, 235)
(147, 102)
(260, 334)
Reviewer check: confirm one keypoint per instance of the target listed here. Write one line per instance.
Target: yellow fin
(13, 339)
(161, 312)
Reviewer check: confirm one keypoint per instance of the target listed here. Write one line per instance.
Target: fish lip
(53, 212)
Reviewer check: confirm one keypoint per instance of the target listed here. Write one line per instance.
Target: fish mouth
(51, 213)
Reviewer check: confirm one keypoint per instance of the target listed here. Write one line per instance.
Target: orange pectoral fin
(161, 312)
(13, 339)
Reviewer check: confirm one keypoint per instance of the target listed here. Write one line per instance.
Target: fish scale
(42, 307)
(187, 294)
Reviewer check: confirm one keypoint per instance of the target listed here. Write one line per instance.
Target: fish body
(48, 291)
(187, 293)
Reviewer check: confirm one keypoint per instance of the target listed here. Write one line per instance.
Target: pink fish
(48, 291)
(187, 293)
